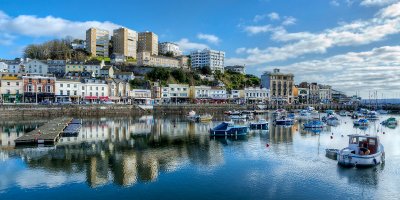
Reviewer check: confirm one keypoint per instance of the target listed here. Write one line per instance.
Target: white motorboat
(363, 151)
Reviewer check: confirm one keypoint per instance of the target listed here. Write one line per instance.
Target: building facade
(94, 90)
(280, 86)
(146, 59)
(208, 58)
(97, 42)
(169, 47)
(39, 88)
(256, 95)
(56, 67)
(148, 42)
(125, 42)
(11, 88)
(36, 67)
(67, 90)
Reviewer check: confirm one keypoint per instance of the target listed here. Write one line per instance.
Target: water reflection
(126, 152)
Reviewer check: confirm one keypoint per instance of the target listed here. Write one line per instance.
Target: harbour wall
(11, 111)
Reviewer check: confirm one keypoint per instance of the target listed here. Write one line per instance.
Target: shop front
(31, 97)
(12, 98)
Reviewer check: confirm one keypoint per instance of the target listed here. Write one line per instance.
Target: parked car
(64, 103)
(107, 102)
(45, 102)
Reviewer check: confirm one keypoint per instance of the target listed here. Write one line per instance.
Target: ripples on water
(171, 158)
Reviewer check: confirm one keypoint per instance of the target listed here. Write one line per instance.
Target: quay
(48, 134)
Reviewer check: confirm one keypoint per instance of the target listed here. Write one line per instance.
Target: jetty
(48, 134)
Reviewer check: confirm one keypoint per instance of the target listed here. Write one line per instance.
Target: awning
(91, 97)
(115, 98)
(103, 98)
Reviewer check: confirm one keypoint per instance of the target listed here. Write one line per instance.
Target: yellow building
(125, 42)
(148, 42)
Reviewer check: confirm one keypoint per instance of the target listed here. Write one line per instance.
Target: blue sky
(353, 45)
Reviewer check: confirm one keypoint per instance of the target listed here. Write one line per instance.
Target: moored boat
(314, 124)
(229, 129)
(363, 151)
(372, 115)
(204, 118)
(390, 121)
(361, 122)
(261, 124)
(284, 121)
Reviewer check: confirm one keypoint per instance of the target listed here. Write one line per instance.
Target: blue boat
(314, 124)
(284, 121)
(229, 129)
(262, 124)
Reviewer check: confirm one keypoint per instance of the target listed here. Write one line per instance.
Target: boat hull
(237, 131)
(259, 126)
(353, 160)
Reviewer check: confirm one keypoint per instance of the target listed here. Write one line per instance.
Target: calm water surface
(168, 157)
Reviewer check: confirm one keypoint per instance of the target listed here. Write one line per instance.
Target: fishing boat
(191, 114)
(331, 120)
(279, 112)
(330, 112)
(361, 122)
(382, 112)
(363, 151)
(372, 115)
(229, 129)
(204, 118)
(314, 124)
(261, 124)
(242, 116)
(390, 121)
(304, 114)
(284, 121)
(344, 113)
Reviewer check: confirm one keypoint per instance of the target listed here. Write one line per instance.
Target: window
(17, 83)
(61, 92)
(61, 85)
(8, 83)
(75, 93)
(68, 85)
(39, 89)
(68, 92)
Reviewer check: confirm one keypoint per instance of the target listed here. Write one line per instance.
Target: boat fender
(342, 136)
(267, 145)
(375, 161)
(383, 132)
(331, 137)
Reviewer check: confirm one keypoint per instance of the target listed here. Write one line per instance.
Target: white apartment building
(200, 92)
(218, 93)
(67, 90)
(14, 66)
(256, 94)
(237, 94)
(140, 96)
(207, 57)
(36, 67)
(94, 90)
(165, 47)
(179, 93)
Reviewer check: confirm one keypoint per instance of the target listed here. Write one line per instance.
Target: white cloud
(209, 38)
(386, 22)
(289, 21)
(186, 46)
(252, 30)
(377, 2)
(49, 26)
(6, 39)
(334, 3)
(273, 16)
(377, 69)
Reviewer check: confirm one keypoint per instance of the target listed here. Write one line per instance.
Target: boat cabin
(363, 144)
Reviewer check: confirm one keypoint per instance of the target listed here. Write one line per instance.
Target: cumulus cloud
(377, 2)
(289, 21)
(186, 46)
(334, 3)
(359, 32)
(209, 38)
(49, 26)
(273, 16)
(353, 71)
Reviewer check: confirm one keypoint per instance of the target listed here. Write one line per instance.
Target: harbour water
(169, 157)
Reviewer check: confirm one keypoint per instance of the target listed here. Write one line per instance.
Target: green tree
(206, 70)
